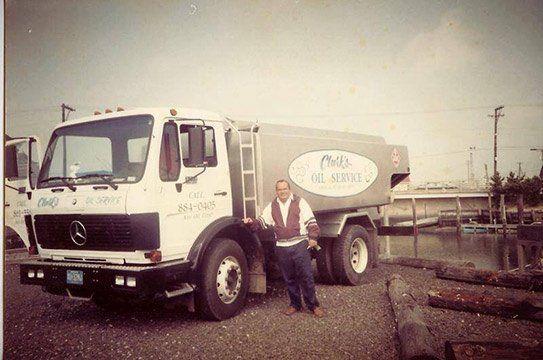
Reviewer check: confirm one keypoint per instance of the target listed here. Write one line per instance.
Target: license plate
(74, 277)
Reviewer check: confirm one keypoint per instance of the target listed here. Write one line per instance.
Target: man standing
(296, 231)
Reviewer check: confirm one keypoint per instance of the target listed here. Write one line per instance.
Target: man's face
(282, 190)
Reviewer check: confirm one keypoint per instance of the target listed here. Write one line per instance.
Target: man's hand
(247, 221)
(313, 244)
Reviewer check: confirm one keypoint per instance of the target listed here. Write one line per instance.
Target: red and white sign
(396, 157)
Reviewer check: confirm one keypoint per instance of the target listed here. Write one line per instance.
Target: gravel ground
(359, 324)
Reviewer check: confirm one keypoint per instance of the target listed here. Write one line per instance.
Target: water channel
(486, 251)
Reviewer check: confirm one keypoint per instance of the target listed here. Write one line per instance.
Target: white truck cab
(148, 203)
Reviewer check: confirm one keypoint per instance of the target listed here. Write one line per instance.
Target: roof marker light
(97, 112)
(108, 111)
(173, 112)
(119, 108)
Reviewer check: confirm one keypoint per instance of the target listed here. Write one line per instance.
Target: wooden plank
(416, 341)
(425, 263)
(525, 306)
(532, 280)
(490, 350)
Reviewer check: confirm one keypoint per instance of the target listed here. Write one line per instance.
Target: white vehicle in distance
(22, 162)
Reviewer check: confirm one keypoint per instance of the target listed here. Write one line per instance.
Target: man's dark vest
(292, 227)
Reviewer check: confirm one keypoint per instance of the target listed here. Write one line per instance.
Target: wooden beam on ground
(531, 280)
(487, 350)
(425, 263)
(416, 341)
(525, 306)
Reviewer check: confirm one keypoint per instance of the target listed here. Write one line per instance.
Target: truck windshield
(111, 151)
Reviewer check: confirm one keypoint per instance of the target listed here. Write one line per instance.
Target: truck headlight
(31, 274)
(130, 281)
(119, 280)
(39, 274)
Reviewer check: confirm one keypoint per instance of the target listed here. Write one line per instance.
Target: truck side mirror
(12, 171)
(196, 146)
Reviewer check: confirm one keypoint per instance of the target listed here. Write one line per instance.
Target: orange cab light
(173, 112)
(97, 112)
(32, 250)
(119, 108)
(154, 255)
(108, 111)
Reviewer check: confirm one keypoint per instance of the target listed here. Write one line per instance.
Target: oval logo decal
(332, 173)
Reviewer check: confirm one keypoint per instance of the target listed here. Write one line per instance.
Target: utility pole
(64, 114)
(64, 118)
(471, 167)
(487, 180)
(519, 168)
(496, 116)
(540, 158)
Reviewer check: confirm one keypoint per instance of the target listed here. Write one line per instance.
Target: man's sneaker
(290, 310)
(318, 312)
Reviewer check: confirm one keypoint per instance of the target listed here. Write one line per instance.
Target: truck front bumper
(87, 278)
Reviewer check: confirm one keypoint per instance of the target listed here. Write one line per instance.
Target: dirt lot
(359, 324)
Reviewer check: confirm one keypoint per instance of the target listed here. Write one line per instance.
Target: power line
(459, 109)
(516, 148)
(392, 112)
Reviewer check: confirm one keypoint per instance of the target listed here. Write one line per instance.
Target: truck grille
(96, 232)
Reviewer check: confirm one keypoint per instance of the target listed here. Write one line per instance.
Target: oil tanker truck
(147, 204)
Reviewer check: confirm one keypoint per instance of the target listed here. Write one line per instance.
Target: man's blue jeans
(295, 264)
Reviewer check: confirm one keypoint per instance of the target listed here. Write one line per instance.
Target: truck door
(22, 159)
(192, 197)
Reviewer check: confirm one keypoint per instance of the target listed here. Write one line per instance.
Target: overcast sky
(421, 73)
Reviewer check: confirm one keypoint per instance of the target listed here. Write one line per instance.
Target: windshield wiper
(64, 180)
(105, 177)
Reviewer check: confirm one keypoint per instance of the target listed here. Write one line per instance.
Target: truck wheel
(224, 280)
(325, 261)
(352, 255)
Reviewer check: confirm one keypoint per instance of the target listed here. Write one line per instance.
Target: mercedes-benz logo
(78, 233)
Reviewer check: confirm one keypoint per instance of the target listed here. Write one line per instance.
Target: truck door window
(20, 152)
(210, 149)
(169, 163)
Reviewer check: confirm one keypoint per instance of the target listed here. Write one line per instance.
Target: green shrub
(530, 188)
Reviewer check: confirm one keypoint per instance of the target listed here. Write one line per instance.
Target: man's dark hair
(280, 181)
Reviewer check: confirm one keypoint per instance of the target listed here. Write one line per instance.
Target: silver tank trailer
(332, 170)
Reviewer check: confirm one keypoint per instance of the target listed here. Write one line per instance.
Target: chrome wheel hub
(228, 279)
(359, 255)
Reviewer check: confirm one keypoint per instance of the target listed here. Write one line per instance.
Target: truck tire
(325, 261)
(352, 255)
(223, 280)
